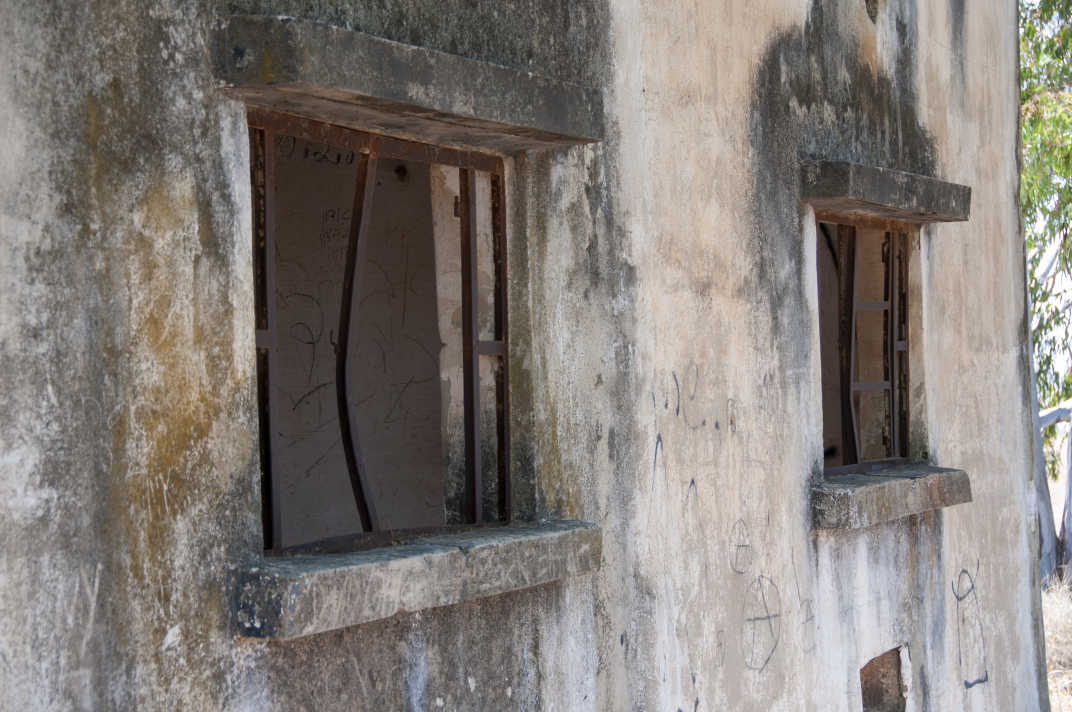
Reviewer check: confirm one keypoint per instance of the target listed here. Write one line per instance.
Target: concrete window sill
(872, 496)
(295, 596)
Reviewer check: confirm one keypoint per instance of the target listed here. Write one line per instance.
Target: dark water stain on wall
(816, 97)
(956, 12)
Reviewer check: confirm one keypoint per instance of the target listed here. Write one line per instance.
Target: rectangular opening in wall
(381, 335)
(881, 683)
(862, 279)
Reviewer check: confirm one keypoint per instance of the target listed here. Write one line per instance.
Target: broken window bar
(359, 222)
(846, 332)
(470, 346)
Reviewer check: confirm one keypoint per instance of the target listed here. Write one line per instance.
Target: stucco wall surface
(664, 353)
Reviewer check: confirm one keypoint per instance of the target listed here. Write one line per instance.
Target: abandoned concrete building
(487, 355)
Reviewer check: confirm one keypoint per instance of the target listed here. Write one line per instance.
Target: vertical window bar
(891, 355)
(470, 360)
(260, 312)
(264, 423)
(274, 528)
(502, 389)
(901, 332)
(260, 229)
(355, 252)
(854, 356)
(847, 338)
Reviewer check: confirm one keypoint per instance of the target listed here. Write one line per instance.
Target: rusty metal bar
(270, 225)
(859, 221)
(427, 153)
(846, 328)
(360, 216)
(260, 310)
(866, 466)
(899, 296)
(470, 365)
(502, 384)
(264, 424)
(861, 386)
(361, 142)
(260, 229)
(491, 348)
(891, 341)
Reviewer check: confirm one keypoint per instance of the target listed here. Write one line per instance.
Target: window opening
(881, 683)
(383, 404)
(864, 343)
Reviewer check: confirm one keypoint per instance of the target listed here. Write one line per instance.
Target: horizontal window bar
(490, 348)
(871, 386)
(361, 142)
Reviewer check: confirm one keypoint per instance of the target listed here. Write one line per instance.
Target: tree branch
(1061, 413)
(1049, 266)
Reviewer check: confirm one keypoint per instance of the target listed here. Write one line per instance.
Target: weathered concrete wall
(665, 354)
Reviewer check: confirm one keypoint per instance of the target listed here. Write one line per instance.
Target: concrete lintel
(354, 79)
(857, 500)
(882, 193)
(291, 597)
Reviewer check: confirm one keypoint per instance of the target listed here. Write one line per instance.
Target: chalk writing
(285, 146)
(761, 627)
(740, 548)
(805, 609)
(328, 154)
(334, 225)
(971, 647)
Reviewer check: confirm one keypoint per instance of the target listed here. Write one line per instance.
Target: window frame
(368, 148)
(895, 349)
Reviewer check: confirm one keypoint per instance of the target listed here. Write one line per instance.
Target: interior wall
(396, 397)
(312, 203)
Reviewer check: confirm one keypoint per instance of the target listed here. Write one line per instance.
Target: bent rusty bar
(846, 317)
(363, 189)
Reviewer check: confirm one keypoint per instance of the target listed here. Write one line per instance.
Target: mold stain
(162, 436)
(817, 95)
(267, 72)
(956, 12)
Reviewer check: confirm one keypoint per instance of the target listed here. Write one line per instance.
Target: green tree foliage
(1046, 188)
